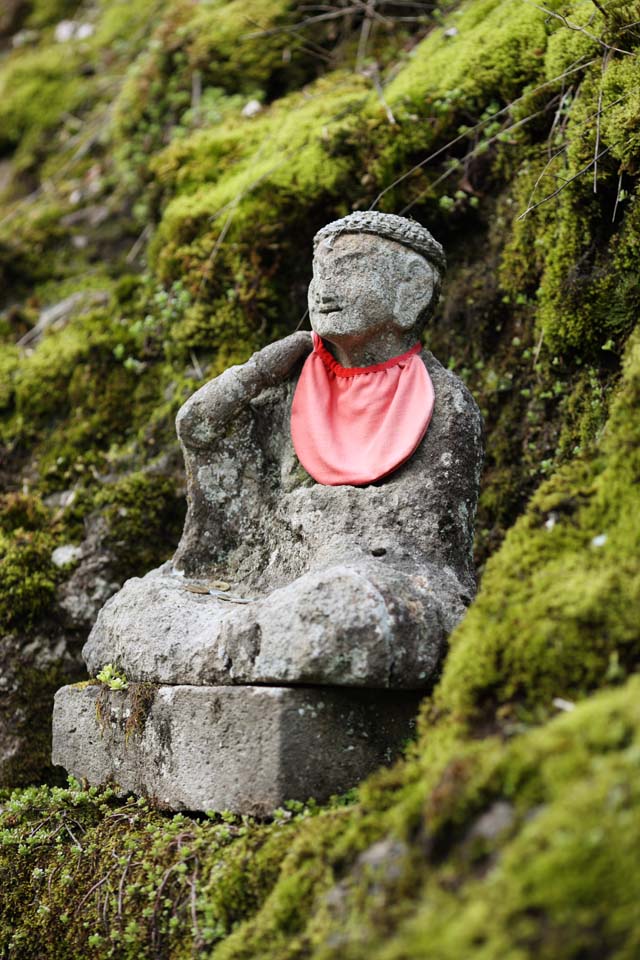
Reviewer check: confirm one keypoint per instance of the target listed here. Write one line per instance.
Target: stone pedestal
(246, 749)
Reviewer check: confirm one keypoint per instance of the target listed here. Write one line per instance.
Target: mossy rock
(508, 831)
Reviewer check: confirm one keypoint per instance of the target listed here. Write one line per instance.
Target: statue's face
(363, 284)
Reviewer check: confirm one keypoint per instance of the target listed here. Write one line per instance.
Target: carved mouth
(329, 308)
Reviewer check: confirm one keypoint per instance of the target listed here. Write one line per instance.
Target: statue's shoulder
(454, 402)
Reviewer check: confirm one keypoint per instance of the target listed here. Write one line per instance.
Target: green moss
(144, 516)
(525, 849)
(44, 13)
(570, 572)
(494, 52)
(36, 90)
(27, 577)
(536, 318)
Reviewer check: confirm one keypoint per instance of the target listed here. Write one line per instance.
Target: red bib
(357, 424)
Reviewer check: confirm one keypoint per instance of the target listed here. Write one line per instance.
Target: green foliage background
(131, 177)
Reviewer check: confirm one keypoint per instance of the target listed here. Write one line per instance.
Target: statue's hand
(276, 360)
(205, 414)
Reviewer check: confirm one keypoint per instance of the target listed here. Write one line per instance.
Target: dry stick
(597, 146)
(538, 348)
(272, 31)
(374, 76)
(484, 144)
(455, 165)
(121, 884)
(578, 28)
(192, 881)
(306, 45)
(73, 837)
(364, 34)
(369, 8)
(546, 167)
(478, 126)
(93, 888)
(586, 120)
(600, 8)
(565, 184)
(565, 95)
(615, 208)
(138, 244)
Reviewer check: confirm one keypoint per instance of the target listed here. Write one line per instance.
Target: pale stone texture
(355, 585)
(341, 587)
(344, 626)
(245, 749)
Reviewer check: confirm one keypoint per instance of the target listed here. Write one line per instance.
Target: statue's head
(374, 272)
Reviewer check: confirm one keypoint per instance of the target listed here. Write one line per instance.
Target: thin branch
(600, 8)
(565, 184)
(546, 167)
(578, 28)
(483, 144)
(477, 126)
(95, 887)
(615, 208)
(365, 30)
(288, 28)
(597, 146)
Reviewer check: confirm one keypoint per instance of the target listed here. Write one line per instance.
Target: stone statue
(283, 581)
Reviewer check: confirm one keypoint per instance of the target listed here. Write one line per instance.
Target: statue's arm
(201, 419)
(450, 471)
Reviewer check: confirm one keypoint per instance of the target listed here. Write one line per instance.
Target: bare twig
(544, 170)
(365, 30)
(565, 184)
(478, 126)
(288, 28)
(373, 74)
(121, 884)
(536, 352)
(95, 887)
(565, 96)
(578, 28)
(599, 112)
(600, 8)
(139, 243)
(615, 208)
(483, 144)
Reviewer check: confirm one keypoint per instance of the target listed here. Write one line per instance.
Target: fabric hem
(332, 364)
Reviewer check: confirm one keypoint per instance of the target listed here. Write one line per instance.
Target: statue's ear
(415, 291)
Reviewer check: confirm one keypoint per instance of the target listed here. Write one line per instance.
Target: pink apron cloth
(354, 425)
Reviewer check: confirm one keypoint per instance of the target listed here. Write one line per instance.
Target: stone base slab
(244, 749)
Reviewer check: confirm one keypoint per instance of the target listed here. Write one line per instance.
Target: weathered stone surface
(92, 581)
(257, 521)
(343, 625)
(246, 749)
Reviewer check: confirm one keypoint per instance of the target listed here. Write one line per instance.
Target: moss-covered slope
(171, 224)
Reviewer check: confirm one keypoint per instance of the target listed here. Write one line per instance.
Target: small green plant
(112, 677)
